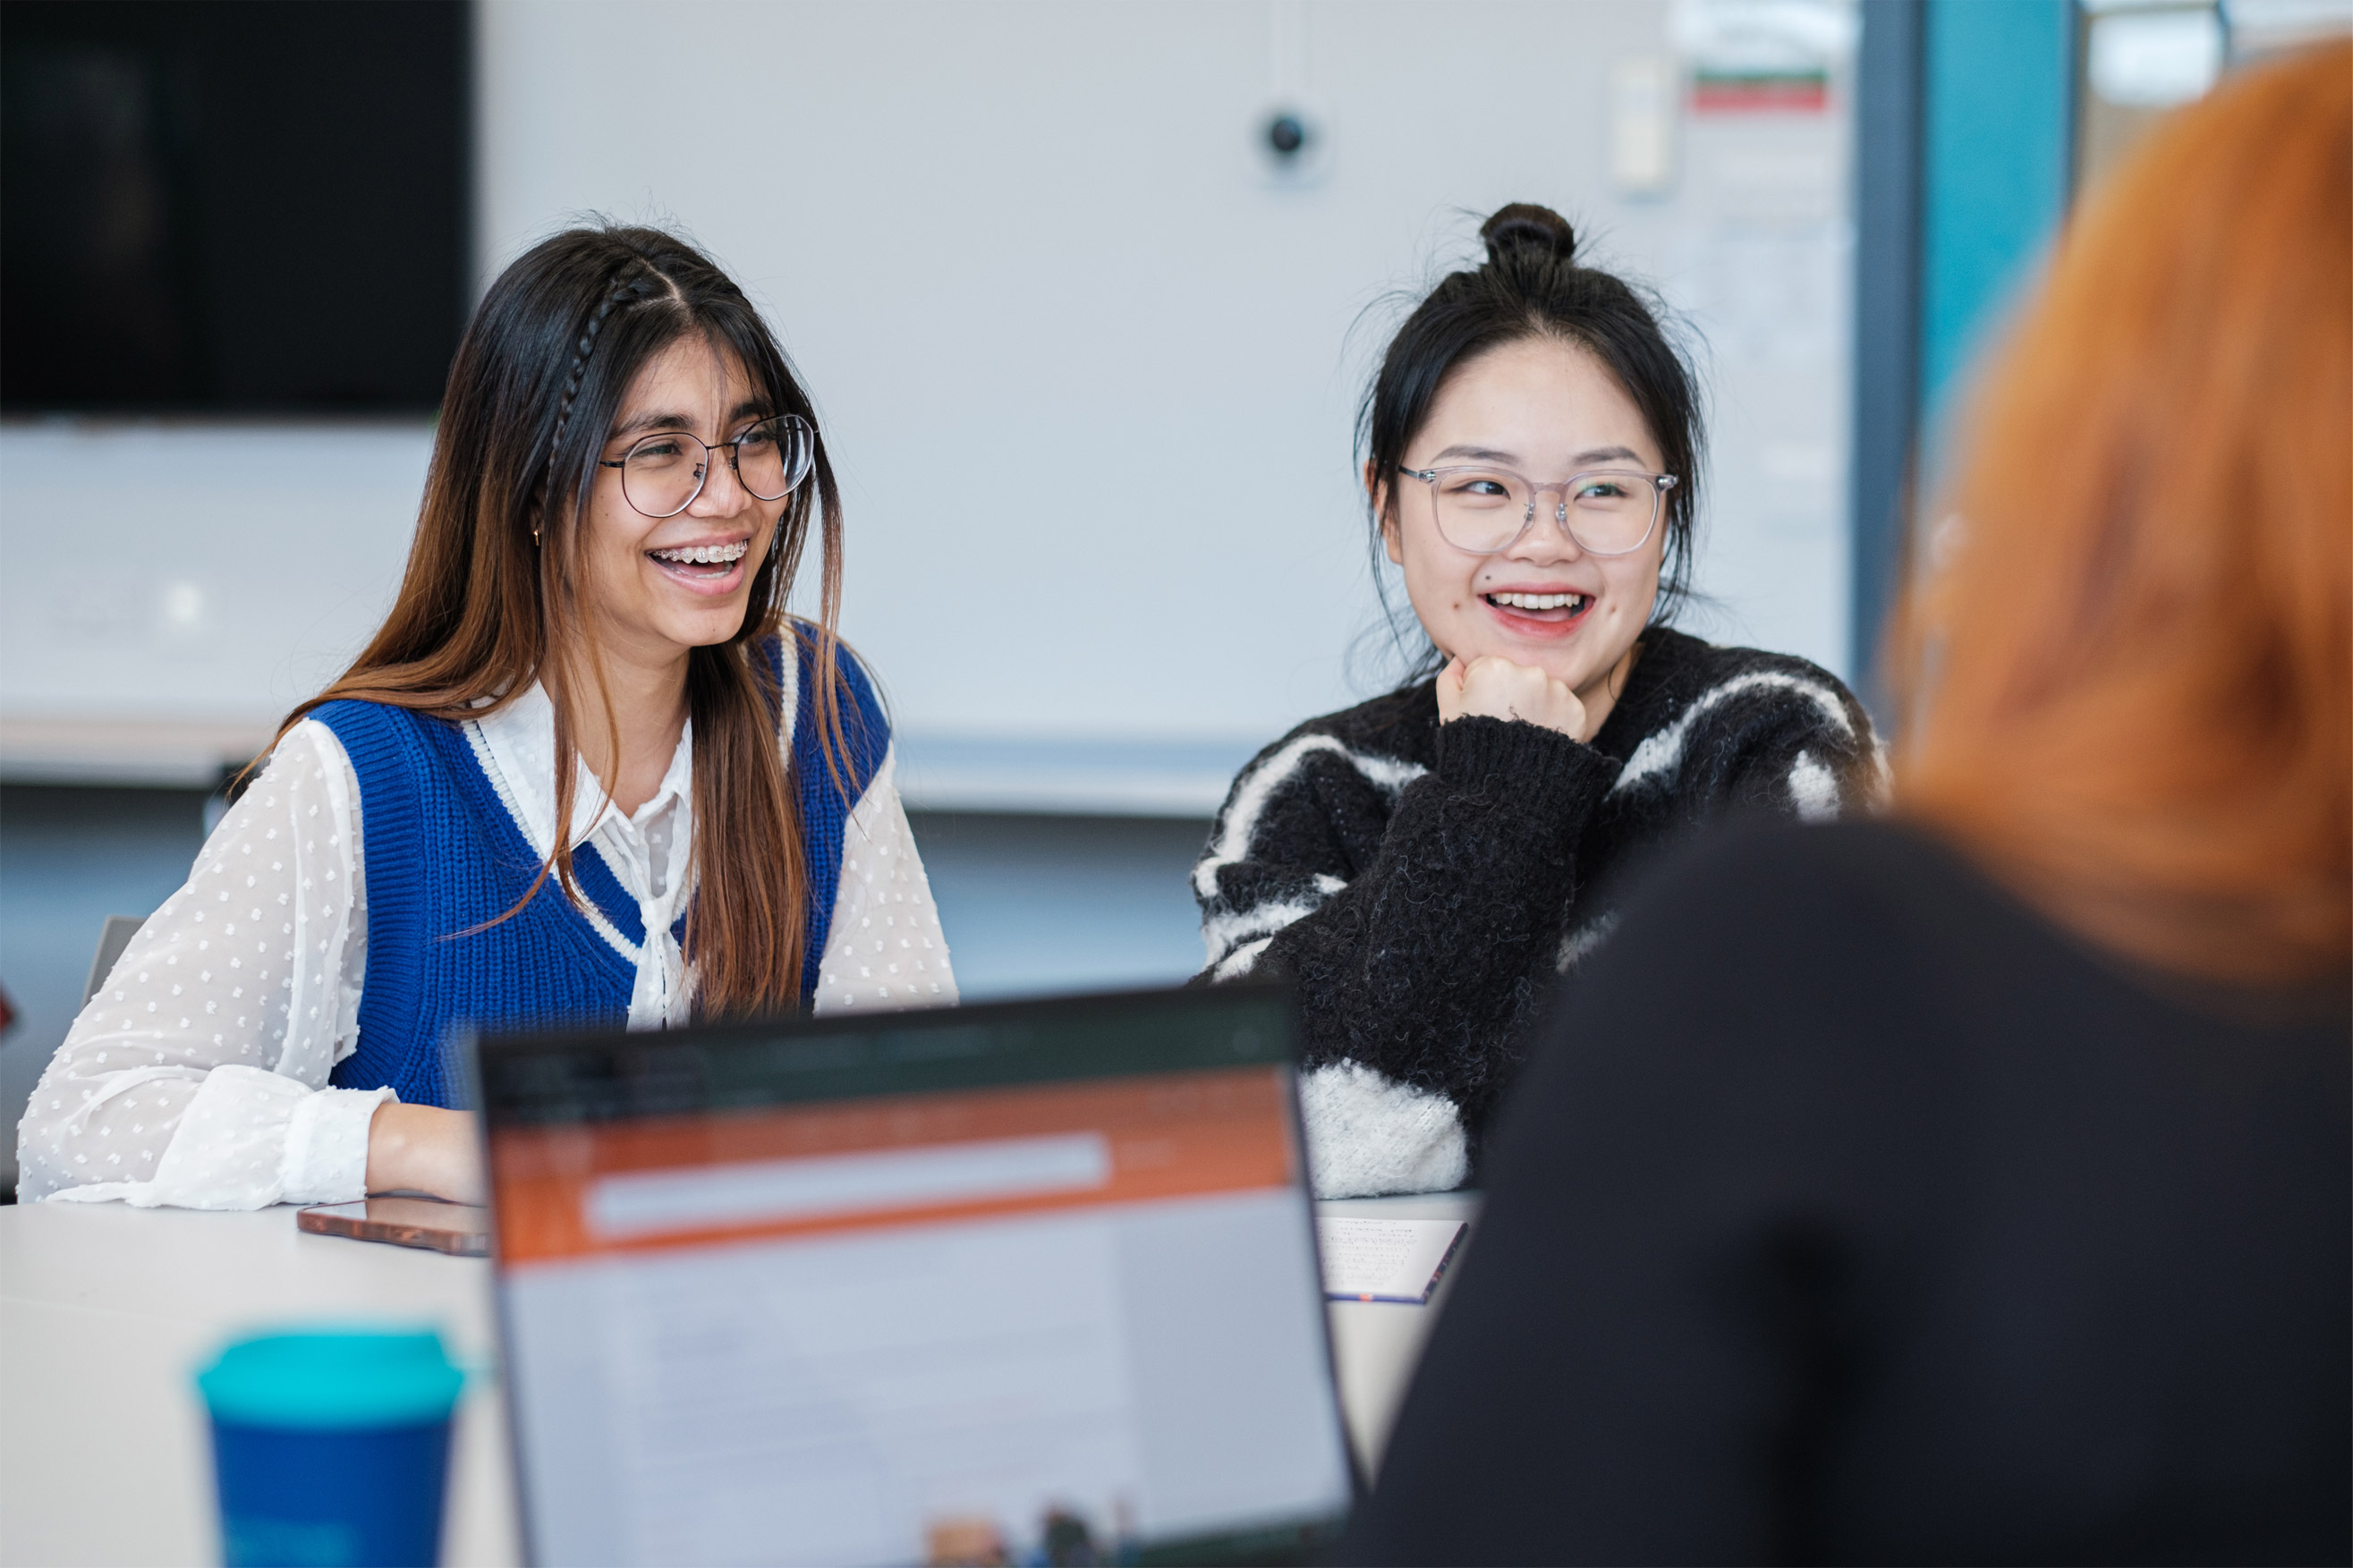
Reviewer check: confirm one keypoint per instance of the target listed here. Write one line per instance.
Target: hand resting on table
(425, 1149)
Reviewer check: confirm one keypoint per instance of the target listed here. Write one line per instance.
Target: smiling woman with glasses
(1424, 866)
(587, 770)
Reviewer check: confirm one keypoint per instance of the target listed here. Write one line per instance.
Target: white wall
(1085, 366)
(185, 572)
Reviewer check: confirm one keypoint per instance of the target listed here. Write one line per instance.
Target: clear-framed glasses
(662, 473)
(1483, 509)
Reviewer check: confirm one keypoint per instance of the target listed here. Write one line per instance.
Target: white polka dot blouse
(197, 1076)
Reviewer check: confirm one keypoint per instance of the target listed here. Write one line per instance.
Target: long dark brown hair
(491, 601)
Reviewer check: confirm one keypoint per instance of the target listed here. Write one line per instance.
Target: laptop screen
(1023, 1283)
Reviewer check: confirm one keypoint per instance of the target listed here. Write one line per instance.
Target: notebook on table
(1394, 1261)
(1021, 1282)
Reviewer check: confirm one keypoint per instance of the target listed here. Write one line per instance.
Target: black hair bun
(1524, 225)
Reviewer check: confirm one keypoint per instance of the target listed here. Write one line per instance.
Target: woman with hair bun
(588, 771)
(1424, 866)
(1973, 1184)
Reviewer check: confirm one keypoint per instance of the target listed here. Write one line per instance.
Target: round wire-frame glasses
(664, 472)
(1481, 509)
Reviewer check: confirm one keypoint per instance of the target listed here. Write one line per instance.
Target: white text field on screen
(773, 1191)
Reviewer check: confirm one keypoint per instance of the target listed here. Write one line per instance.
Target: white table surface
(106, 1313)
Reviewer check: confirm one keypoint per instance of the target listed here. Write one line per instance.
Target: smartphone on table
(462, 1230)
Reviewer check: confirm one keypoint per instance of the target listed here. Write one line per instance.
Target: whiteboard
(1087, 367)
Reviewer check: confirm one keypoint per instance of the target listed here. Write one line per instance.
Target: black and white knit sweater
(1423, 885)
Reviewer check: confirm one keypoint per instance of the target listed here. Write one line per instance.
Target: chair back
(113, 938)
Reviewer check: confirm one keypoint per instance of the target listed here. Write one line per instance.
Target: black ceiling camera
(1286, 133)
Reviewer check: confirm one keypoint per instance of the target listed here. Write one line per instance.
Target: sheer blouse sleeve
(196, 1076)
(885, 947)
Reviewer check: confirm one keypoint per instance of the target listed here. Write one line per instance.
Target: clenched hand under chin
(1493, 687)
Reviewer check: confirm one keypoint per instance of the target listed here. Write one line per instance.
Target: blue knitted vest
(444, 855)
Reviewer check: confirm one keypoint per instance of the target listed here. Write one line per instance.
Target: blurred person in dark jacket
(1976, 1185)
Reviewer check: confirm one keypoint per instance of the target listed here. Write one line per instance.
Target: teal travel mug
(331, 1447)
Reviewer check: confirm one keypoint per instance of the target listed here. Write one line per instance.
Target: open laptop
(1030, 1282)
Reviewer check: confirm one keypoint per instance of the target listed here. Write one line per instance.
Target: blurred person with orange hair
(1978, 1184)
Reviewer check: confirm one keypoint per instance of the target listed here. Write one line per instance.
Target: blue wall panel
(2001, 98)
(1889, 88)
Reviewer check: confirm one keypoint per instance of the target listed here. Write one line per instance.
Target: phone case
(460, 1229)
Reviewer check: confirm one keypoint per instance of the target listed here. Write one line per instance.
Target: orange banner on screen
(690, 1181)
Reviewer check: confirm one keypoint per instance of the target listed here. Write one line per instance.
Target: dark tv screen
(233, 206)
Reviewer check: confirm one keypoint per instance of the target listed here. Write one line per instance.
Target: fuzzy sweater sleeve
(1415, 969)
